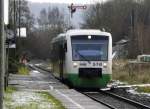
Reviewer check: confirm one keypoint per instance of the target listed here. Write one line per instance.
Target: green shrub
(23, 70)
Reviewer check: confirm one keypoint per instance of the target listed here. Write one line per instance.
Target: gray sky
(6, 11)
(77, 19)
(68, 1)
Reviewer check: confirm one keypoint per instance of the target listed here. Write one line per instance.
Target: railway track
(114, 101)
(111, 100)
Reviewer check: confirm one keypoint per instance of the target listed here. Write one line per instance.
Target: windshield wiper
(83, 57)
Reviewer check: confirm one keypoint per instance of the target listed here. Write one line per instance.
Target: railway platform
(72, 99)
(40, 80)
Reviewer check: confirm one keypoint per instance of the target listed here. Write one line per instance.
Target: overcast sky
(69, 1)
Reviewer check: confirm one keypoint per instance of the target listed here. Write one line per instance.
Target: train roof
(87, 32)
(61, 36)
(72, 32)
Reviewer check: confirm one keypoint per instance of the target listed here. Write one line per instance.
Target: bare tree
(128, 19)
(51, 23)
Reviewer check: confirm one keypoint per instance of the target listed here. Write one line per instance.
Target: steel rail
(96, 99)
(132, 102)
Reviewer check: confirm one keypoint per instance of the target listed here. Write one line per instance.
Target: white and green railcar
(83, 57)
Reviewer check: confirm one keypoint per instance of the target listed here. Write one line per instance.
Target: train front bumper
(93, 82)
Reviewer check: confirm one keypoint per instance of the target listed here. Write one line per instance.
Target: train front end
(90, 64)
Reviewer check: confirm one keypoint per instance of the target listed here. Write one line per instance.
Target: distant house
(120, 48)
(10, 39)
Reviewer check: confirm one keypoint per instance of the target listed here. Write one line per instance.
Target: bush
(23, 70)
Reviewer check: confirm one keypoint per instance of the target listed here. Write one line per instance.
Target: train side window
(65, 46)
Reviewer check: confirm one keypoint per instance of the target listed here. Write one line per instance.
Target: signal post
(72, 8)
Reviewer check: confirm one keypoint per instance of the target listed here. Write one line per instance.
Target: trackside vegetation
(23, 70)
(124, 72)
(144, 89)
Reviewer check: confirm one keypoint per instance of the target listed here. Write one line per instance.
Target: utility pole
(19, 16)
(2, 53)
(18, 44)
(14, 23)
(72, 9)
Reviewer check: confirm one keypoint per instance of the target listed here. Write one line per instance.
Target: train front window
(94, 48)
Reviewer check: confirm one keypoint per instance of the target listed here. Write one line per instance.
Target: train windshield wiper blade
(83, 57)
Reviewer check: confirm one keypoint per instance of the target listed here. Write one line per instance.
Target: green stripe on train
(89, 82)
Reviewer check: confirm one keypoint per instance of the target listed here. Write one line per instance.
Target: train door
(61, 61)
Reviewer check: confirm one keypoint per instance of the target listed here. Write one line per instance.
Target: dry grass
(133, 74)
(143, 89)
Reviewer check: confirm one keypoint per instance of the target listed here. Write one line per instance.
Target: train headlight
(75, 64)
(89, 37)
(105, 65)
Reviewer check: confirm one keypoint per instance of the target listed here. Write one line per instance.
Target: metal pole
(18, 43)
(2, 53)
(69, 18)
(7, 62)
(19, 16)
(14, 27)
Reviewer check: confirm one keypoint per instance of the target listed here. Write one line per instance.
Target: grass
(23, 70)
(15, 99)
(10, 89)
(8, 93)
(124, 72)
(143, 89)
(57, 104)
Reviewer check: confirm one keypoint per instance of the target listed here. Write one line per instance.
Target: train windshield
(91, 48)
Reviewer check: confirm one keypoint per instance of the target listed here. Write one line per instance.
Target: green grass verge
(10, 90)
(143, 89)
(57, 104)
(7, 95)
